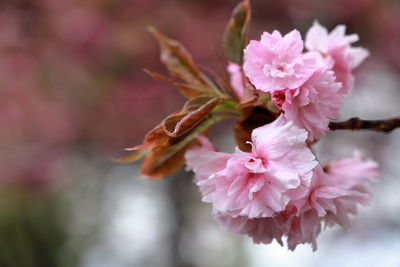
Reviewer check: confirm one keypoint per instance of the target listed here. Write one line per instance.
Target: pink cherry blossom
(350, 172)
(342, 186)
(312, 105)
(261, 182)
(276, 62)
(333, 195)
(299, 229)
(336, 46)
(205, 162)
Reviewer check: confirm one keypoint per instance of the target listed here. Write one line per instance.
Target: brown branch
(372, 125)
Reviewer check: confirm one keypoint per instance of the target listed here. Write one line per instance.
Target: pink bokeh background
(73, 94)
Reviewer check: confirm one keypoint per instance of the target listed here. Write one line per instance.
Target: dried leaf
(237, 31)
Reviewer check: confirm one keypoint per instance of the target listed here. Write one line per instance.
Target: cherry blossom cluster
(308, 87)
(279, 189)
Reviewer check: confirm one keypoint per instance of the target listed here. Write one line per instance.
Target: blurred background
(73, 95)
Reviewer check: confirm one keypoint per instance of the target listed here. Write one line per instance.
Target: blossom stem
(355, 124)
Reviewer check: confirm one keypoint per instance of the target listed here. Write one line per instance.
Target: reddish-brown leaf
(170, 123)
(198, 102)
(187, 90)
(163, 154)
(163, 161)
(253, 117)
(178, 61)
(166, 144)
(159, 77)
(153, 138)
(192, 114)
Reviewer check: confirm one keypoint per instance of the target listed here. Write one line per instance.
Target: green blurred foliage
(33, 232)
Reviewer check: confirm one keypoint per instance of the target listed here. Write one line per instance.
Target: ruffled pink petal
(292, 45)
(336, 46)
(350, 172)
(261, 230)
(317, 38)
(260, 183)
(276, 62)
(282, 144)
(303, 229)
(341, 187)
(313, 105)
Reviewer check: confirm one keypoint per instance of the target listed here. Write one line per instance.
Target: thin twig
(372, 125)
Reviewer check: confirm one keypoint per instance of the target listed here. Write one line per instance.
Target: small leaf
(163, 161)
(197, 102)
(155, 137)
(187, 90)
(163, 154)
(159, 77)
(166, 144)
(237, 31)
(178, 61)
(132, 157)
(190, 91)
(169, 124)
(193, 113)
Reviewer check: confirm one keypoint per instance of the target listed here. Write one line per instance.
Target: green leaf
(237, 31)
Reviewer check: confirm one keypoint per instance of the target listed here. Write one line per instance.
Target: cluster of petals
(276, 62)
(306, 86)
(257, 183)
(312, 105)
(279, 189)
(336, 48)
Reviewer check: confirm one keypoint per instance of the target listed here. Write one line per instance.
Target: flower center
(256, 165)
(278, 98)
(278, 69)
